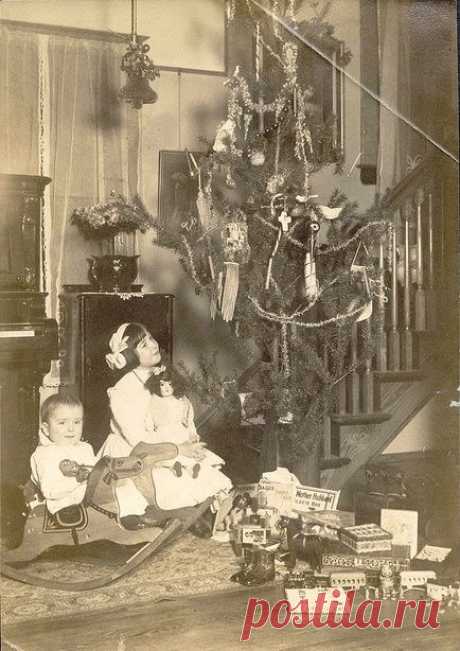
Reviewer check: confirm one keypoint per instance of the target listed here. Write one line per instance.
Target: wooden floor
(213, 622)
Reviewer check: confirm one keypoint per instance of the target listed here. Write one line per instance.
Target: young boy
(60, 448)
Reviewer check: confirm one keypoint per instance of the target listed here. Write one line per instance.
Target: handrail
(397, 195)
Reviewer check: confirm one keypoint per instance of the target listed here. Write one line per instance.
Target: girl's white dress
(130, 411)
(58, 490)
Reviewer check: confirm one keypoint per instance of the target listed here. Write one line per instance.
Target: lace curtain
(60, 117)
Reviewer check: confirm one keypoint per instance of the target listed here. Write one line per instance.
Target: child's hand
(193, 450)
(82, 474)
(194, 438)
(69, 468)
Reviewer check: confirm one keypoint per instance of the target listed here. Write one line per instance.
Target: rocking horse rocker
(97, 518)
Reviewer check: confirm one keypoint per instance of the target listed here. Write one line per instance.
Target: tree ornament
(224, 137)
(229, 180)
(290, 52)
(275, 183)
(361, 279)
(236, 252)
(203, 205)
(330, 213)
(257, 158)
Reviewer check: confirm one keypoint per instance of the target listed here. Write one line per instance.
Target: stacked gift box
(339, 556)
(366, 538)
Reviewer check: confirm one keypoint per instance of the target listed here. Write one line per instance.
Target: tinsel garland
(334, 248)
(276, 318)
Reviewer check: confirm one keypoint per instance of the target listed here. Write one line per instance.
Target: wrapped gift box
(339, 556)
(366, 538)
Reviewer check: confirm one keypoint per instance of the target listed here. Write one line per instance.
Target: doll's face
(166, 388)
(65, 425)
(148, 352)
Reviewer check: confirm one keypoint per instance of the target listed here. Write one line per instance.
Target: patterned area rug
(187, 567)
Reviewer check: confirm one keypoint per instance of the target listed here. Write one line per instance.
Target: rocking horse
(97, 518)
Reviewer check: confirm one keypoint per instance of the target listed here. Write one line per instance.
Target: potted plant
(113, 224)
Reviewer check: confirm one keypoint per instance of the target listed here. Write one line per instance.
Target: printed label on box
(308, 498)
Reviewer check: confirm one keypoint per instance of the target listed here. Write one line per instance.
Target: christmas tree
(292, 276)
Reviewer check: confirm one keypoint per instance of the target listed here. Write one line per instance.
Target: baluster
(367, 379)
(407, 340)
(342, 396)
(431, 295)
(381, 353)
(353, 378)
(327, 447)
(420, 298)
(394, 344)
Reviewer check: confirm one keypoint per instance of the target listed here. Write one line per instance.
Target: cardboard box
(339, 556)
(366, 538)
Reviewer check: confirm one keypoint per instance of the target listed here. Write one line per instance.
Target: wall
(435, 427)
(344, 15)
(183, 33)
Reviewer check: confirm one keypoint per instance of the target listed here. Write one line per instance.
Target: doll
(170, 418)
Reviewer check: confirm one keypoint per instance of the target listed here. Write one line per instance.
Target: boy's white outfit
(130, 406)
(58, 490)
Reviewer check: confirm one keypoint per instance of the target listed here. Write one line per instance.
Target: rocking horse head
(103, 478)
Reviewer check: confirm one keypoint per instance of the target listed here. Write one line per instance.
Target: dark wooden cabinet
(88, 321)
(28, 340)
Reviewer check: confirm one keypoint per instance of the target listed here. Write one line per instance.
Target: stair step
(333, 462)
(360, 419)
(399, 376)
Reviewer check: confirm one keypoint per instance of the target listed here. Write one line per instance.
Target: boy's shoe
(203, 527)
(196, 470)
(132, 522)
(177, 469)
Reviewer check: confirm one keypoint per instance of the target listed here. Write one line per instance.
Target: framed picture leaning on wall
(177, 193)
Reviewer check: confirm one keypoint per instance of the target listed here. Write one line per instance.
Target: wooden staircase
(376, 401)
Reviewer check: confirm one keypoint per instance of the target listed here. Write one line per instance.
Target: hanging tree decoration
(360, 276)
(236, 251)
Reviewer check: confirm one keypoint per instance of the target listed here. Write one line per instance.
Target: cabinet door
(100, 316)
(19, 404)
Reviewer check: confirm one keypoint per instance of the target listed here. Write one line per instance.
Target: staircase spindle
(353, 377)
(367, 378)
(394, 344)
(342, 396)
(381, 352)
(420, 298)
(407, 334)
(431, 295)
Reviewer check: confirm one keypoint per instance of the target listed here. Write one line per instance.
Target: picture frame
(177, 193)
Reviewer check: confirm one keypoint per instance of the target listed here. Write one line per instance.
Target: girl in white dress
(133, 350)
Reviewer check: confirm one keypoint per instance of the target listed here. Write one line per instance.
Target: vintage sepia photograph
(229, 324)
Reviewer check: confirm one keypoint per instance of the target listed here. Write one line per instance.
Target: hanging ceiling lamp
(139, 68)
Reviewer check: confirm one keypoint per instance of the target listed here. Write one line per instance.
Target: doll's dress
(170, 419)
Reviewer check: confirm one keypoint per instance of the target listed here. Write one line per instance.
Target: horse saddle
(74, 518)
